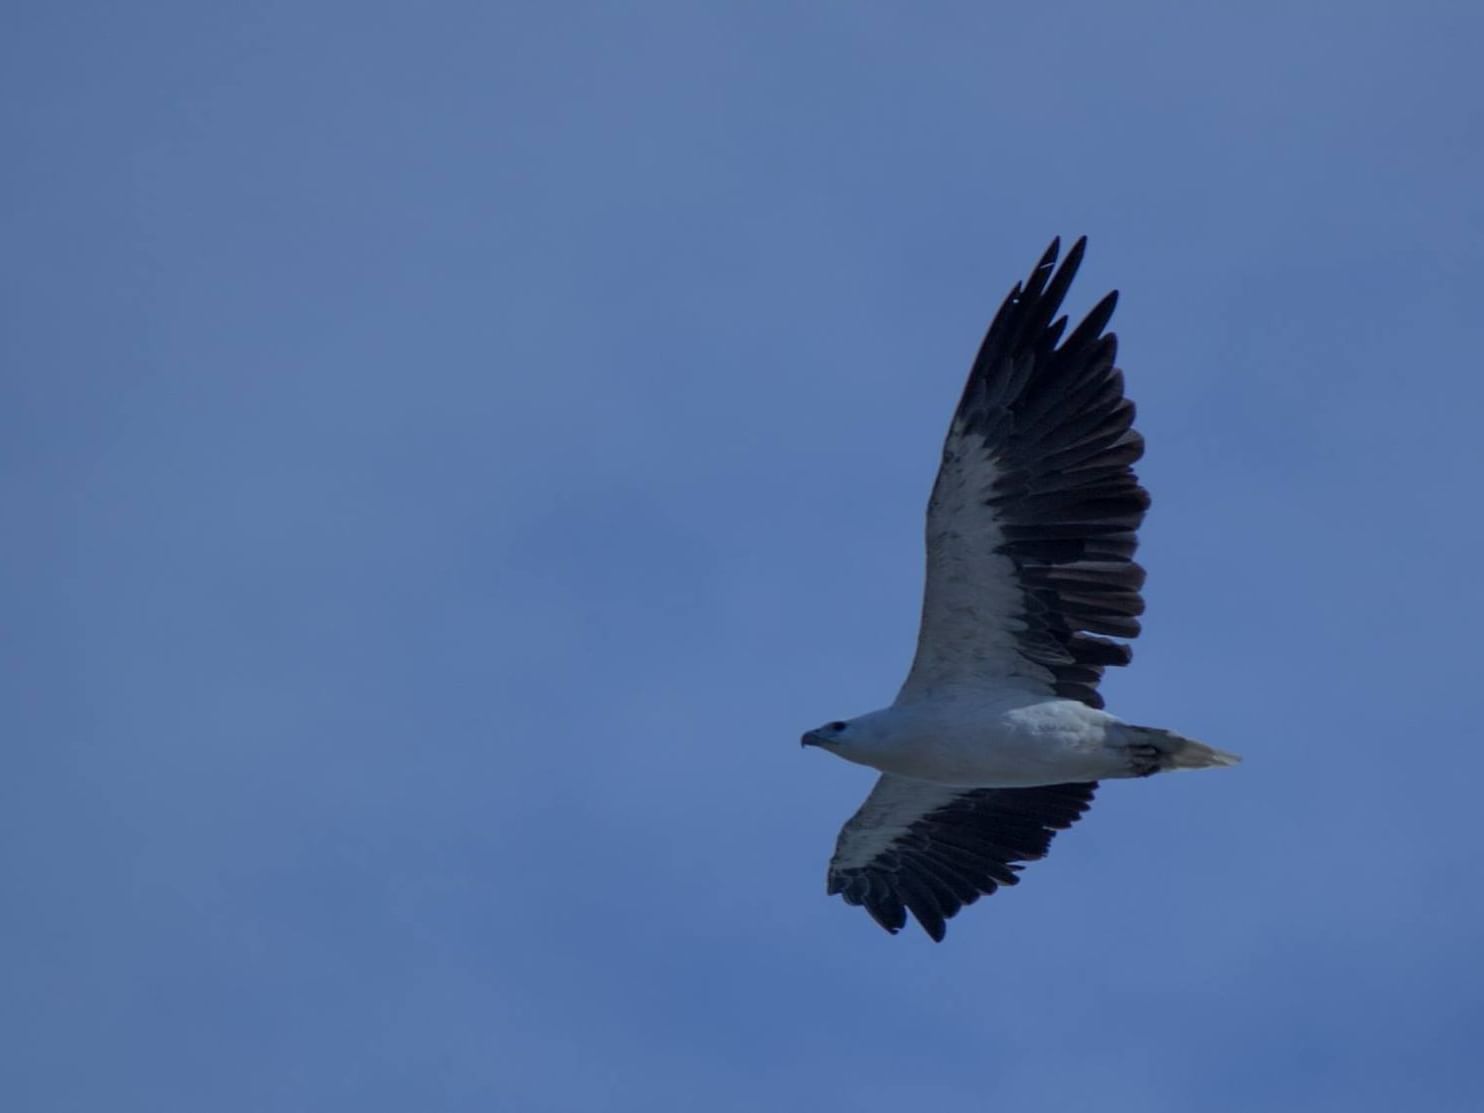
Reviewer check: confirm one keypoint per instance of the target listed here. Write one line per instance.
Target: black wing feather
(944, 857)
(1059, 429)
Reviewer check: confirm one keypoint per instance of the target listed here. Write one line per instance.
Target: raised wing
(931, 849)
(1031, 525)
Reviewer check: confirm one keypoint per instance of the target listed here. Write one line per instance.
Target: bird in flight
(998, 737)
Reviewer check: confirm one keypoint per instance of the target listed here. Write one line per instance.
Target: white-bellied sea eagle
(998, 738)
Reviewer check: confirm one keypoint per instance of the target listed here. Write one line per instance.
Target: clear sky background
(451, 451)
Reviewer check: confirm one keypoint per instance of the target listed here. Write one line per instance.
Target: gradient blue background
(451, 451)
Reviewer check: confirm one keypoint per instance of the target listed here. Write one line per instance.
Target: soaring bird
(998, 737)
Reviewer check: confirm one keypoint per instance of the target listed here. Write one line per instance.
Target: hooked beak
(811, 738)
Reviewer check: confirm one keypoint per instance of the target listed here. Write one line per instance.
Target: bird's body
(1011, 739)
(1014, 740)
(998, 738)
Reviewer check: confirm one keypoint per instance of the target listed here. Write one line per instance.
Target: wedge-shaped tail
(1175, 751)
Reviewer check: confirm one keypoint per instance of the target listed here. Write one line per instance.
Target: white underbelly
(1049, 745)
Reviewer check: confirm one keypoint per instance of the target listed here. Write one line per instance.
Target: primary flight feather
(997, 738)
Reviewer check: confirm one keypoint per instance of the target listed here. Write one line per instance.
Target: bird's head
(828, 737)
(865, 739)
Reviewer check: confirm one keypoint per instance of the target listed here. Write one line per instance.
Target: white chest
(1043, 742)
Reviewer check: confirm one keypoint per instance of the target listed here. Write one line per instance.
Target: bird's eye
(837, 726)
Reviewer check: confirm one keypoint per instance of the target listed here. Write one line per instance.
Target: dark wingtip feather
(1074, 257)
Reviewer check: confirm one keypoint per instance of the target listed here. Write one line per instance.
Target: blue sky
(451, 451)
